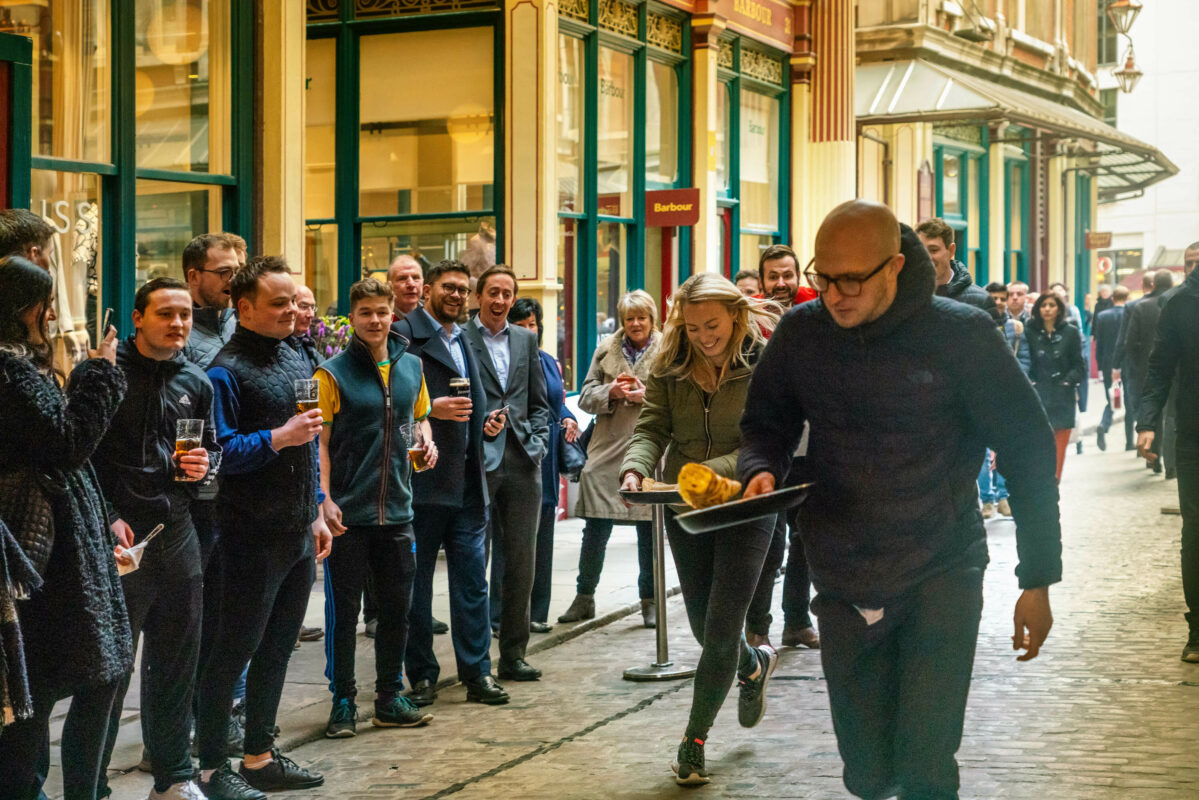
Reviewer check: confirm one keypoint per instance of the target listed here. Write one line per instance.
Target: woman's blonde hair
(636, 300)
(752, 319)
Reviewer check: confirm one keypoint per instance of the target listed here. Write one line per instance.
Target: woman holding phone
(692, 409)
(614, 392)
(77, 640)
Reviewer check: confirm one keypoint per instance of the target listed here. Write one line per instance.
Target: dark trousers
(1187, 465)
(1106, 421)
(1132, 403)
(267, 577)
(208, 533)
(596, 533)
(25, 746)
(718, 572)
(797, 587)
(388, 553)
(515, 488)
(543, 569)
(463, 534)
(898, 688)
(758, 617)
(165, 599)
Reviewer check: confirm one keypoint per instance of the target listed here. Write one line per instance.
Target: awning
(888, 92)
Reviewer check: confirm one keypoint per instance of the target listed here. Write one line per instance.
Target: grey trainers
(689, 764)
(751, 704)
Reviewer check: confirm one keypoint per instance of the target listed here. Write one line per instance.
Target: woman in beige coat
(614, 391)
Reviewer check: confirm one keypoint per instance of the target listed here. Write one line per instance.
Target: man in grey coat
(515, 388)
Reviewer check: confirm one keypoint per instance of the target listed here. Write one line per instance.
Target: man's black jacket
(1175, 350)
(1106, 331)
(135, 460)
(901, 410)
(961, 288)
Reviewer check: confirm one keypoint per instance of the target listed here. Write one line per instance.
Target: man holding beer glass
(270, 533)
(149, 475)
(451, 501)
(368, 393)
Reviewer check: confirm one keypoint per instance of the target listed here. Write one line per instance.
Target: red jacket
(802, 295)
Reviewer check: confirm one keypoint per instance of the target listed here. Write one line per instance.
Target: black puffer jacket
(1056, 370)
(135, 462)
(901, 410)
(961, 288)
(1176, 349)
(211, 328)
(76, 628)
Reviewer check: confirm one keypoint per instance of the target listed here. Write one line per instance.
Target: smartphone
(104, 324)
(502, 411)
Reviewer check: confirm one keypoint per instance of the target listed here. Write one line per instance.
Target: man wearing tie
(450, 502)
(510, 370)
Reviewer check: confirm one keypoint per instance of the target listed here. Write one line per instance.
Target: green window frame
(735, 78)
(119, 175)
(347, 220)
(587, 223)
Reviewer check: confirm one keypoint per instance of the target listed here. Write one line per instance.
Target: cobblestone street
(1106, 711)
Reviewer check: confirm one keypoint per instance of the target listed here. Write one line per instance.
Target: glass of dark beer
(414, 437)
(188, 436)
(308, 394)
(460, 387)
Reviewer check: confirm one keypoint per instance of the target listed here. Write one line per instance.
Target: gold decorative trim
(407, 8)
(664, 32)
(322, 10)
(618, 17)
(761, 66)
(724, 57)
(575, 9)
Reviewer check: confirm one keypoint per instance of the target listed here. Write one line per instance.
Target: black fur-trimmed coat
(75, 626)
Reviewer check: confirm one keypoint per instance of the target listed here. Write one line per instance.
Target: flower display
(331, 334)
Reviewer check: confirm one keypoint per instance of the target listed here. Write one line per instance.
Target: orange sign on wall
(670, 208)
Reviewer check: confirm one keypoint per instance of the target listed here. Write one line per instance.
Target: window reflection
(570, 123)
(320, 256)
(568, 249)
(471, 241)
(662, 124)
(169, 215)
(759, 162)
(183, 85)
(320, 109)
(615, 143)
(71, 203)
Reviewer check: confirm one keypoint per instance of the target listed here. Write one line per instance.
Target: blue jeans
(463, 534)
(991, 486)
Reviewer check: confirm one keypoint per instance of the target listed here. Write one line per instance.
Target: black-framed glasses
(448, 289)
(848, 285)
(225, 273)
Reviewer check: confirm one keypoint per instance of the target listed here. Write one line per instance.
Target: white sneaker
(188, 790)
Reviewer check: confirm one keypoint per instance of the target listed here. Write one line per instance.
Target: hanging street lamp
(1130, 74)
(1122, 13)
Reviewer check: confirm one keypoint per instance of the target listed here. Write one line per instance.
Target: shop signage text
(765, 20)
(1099, 241)
(670, 208)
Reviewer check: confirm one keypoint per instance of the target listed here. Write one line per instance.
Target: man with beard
(779, 269)
(450, 502)
(143, 483)
(896, 382)
(953, 279)
(407, 281)
(510, 371)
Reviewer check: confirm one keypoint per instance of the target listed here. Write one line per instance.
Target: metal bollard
(662, 669)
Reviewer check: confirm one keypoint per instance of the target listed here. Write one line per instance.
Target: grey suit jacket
(529, 420)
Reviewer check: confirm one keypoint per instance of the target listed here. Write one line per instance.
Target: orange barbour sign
(671, 208)
(767, 21)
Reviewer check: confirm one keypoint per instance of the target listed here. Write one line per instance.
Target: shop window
(759, 163)
(571, 101)
(615, 111)
(568, 249)
(1107, 37)
(662, 124)
(427, 122)
(612, 250)
(71, 203)
(169, 215)
(72, 81)
(469, 240)
(183, 85)
(320, 110)
(752, 247)
(951, 185)
(320, 258)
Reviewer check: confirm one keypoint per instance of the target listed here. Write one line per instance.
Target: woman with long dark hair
(692, 409)
(76, 630)
(1056, 367)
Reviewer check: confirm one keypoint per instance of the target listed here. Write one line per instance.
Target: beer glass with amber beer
(308, 394)
(188, 435)
(414, 436)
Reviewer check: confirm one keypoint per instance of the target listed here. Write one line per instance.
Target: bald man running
(903, 390)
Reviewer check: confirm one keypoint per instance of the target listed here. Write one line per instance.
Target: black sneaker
(751, 705)
(399, 712)
(1190, 653)
(689, 764)
(343, 720)
(225, 784)
(281, 774)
